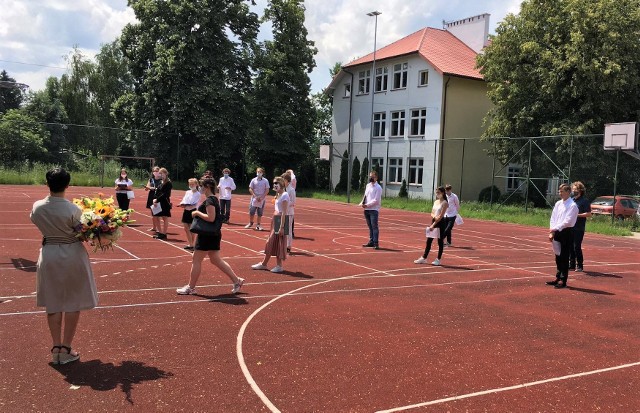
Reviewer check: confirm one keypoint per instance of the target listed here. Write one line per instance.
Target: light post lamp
(374, 14)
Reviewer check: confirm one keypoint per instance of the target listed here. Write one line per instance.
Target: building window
(423, 77)
(378, 165)
(382, 79)
(418, 122)
(347, 90)
(379, 124)
(395, 170)
(513, 173)
(364, 81)
(400, 75)
(416, 168)
(397, 124)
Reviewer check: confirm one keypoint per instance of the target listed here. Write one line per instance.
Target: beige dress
(65, 280)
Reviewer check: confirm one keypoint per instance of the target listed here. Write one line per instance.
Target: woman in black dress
(209, 245)
(154, 182)
(163, 198)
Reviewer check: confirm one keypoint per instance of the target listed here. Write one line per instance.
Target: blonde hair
(580, 186)
(193, 180)
(166, 174)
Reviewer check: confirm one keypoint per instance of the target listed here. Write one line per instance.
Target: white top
(190, 200)
(226, 185)
(372, 197)
(564, 215)
(282, 198)
(128, 182)
(454, 205)
(294, 181)
(259, 186)
(437, 208)
(292, 200)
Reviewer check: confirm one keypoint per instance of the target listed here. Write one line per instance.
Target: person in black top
(154, 182)
(163, 198)
(576, 259)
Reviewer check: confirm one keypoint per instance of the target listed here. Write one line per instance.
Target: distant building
(427, 96)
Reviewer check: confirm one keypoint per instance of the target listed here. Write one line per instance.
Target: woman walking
(123, 186)
(437, 221)
(209, 244)
(65, 284)
(150, 187)
(162, 198)
(189, 202)
(277, 242)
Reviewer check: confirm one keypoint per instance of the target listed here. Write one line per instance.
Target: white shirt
(292, 200)
(564, 215)
(282, 198)
(128, 182)
(259, 186)
(372, 197)
(222, 186)
(454, 205)
(190, 200)
(294, 181)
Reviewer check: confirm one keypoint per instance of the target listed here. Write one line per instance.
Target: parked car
(625, 207)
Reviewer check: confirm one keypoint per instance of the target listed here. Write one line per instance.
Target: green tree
(364, 174)
(21, 138)
(281, 107)
(10, 97)
(190, 62)
(355, 175)
(344, 173)
(403, 190)
(564, 67)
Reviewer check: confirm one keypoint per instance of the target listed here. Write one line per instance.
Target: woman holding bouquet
(123, 186)
(65, 284)
(162, 198)
(209, 245)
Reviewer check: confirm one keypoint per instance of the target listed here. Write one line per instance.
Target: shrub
(403, 190)
(485, 194)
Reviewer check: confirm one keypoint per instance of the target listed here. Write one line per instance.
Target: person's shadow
(24, 264)
(107, 376)
(232, 299)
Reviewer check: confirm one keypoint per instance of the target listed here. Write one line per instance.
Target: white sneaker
(248, 226)
(436, 262)
(237, 286)
(258, 227)
(420, 261)
(258, 266)
(186, 290)
(277, 269)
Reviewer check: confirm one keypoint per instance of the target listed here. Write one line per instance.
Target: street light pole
(374, 14)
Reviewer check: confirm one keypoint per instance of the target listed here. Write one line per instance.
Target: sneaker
(258, 228)
(258, 266)
(248, 226)
(237, 286)
(436, 262)
(277, 269)
(186, 290)
(447, 244)
(188, 247)
(420, 261)
(579, 268)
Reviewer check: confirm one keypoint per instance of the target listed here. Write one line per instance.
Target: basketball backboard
(622, 136)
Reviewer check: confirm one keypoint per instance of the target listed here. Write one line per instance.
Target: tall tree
(190, 61)
(21, 138)
(282, 108)
(564, 67)
(10, 95)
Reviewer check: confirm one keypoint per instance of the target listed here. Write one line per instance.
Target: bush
(403, 190)
(344, 173)
(485, 194)
(355, 174)
(364, 174)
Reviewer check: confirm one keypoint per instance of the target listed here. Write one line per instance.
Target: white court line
(501, 389)
(127, 252)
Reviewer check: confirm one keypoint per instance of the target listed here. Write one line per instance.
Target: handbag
(201, 227)
(131, 195)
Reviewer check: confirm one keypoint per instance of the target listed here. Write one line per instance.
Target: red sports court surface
(343, 329)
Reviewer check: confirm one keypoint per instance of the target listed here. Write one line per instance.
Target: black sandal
(64, 358)
(55, 356)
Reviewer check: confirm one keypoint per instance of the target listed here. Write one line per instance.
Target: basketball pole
(615, 186)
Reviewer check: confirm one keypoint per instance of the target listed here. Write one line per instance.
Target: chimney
(473, 31)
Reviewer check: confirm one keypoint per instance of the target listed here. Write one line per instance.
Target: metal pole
(615, 186)
(526, 190)
(493, 174)
(374, 14)
(570, 157)
(464, 142)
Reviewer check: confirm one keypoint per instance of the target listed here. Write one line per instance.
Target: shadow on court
(23, 264)
(589, 291)
(304, 238)
(602, 274)
(107, 376)
(232, 299)
(297, 274)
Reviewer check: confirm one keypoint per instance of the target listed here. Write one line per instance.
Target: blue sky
(41, 32)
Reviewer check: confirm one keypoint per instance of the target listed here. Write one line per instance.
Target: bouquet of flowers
(101, 221)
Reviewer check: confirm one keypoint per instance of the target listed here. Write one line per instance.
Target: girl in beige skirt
(277, 242)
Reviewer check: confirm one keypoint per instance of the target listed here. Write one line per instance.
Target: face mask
(276, 187)
(372, 179)
(259, 174)
(193, 188)
(123, 176)
(573, 194)
(156, 175)
(226, 175)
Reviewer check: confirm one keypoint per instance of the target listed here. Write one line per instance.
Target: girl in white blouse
(189, 202)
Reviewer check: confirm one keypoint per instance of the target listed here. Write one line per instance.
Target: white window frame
(379, 124)
(347, 90)
(513, 182)
(394, 171)
(380, 162)
(400, 71)
(382, 73)
(418, 122)
(423, 78)
(364, 82)
(416, 171)
(398, 121)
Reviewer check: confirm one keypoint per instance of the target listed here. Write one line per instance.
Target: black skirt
(187, 218)
(208, 242)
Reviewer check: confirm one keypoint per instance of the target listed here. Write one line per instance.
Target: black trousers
(449, 223)
(562, 261)
(123, 201)
(575, 256)
(225, 208)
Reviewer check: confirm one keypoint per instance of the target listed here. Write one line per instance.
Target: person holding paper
(291, 191)
(371, 204)
(437, 227)
(123, 185)
(259, 189)
(152, 184)
(189, 203)
(225, 186)
(576, 258)
(277, 242)
(563, 218)
(161, 207)
(452, 212)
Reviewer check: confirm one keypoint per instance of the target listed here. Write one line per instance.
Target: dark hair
(443, 192)
(448, 187)
(120, 178)
(565, 188)
(209, 182)
(58, 179)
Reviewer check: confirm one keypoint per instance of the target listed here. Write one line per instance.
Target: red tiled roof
(445, 52)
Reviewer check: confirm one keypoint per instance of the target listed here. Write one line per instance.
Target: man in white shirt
(452, 212)
(259, 189)
(294, 183)
(371, 203)
(290, 206)
(563, 218)
(225, 186)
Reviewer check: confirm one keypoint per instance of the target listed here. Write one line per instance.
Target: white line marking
(501, 389)
(120, 248)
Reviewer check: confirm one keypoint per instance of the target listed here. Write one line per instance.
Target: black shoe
(561, 284)
(369, 245)
(288, 250)
(160, 235)
(579, 268)
(554, 282)
(376, 247)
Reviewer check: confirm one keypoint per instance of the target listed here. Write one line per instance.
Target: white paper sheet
(156, 208)
(433, 233)
(557, 249)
